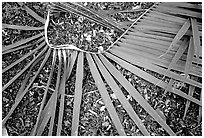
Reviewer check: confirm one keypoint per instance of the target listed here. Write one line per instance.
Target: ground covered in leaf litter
(94, 118)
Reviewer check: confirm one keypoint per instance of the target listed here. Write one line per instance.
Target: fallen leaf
(102, 108)
(105, 124)
(93, 112)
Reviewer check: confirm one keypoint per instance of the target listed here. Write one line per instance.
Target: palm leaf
(152, 79)
(190, 93)
(23, 85)
(176, 57)
(135, 94)
(21, 42)
(120, 96)
(179, 35)
(179, 11)
(40, 40)
(44, 97)
(55, 95)
(189, 59)
(200, 112)
(71, 63)
(71, 7)
(31, 12)
(161, 31)
(17, 101)
(23, 70)
(137, 59)
(104, 95)
(181, 4)
(169, 86)
(45, 116)
(196, 37)
(108, 20)
(62, 94)
(21, 27)
(78, 94)
(165, 17)
(23, 58)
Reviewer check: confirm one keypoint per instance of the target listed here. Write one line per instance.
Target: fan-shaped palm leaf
(166, 39)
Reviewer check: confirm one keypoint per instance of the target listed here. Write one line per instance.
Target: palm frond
(196, 37)
(120, 95)
(105, 96)
(165, 39)
(40, 40)
(21, 27)
(77, 95)
(44, 97)
(23, 58)
(21, 42)
(17, 101)
(138, 60)
(62, 94)
(179, 35)
(89, 14)
(135, 94)
(190, 55)
(23, 70)
(31, 12)
(190, 93)
(55, 94)
(99, 15)
(151, 79)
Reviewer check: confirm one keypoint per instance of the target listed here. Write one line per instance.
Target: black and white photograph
(101, 68)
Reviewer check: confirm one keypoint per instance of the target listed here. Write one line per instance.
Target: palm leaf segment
(165, 39)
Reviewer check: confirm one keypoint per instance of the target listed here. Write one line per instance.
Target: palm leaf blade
(166, 40)
(105, 96)
(11, 46)
(70, 8)
(107, 20)
(77, 95)
(23, 70)
(179, 35)
(17, 101)
(121, 96)
(190, 93)
(46, 115)
(21, 27)
(26, 78)
(39, 41)
(176, 57)
(179, 11)
(32, 13)
(44, 97)
(71, 63)
(22, 58)
(55, 94)
(153, 80)
(136, 95)
(143, 62)
(189, 59)
(62, 93)
(196, 37)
